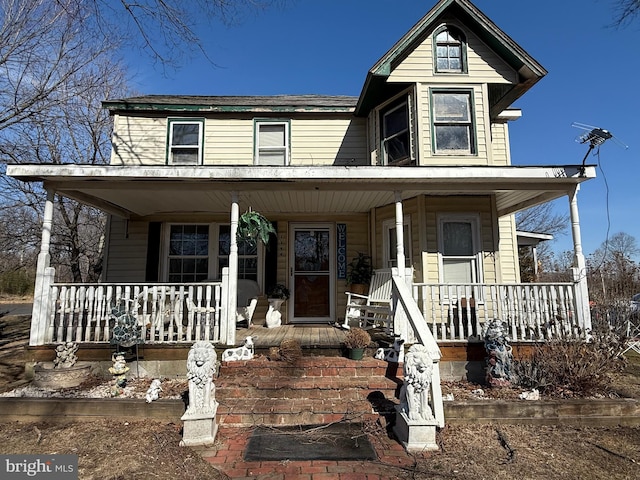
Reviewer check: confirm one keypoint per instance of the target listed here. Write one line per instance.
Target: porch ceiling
(140, 191)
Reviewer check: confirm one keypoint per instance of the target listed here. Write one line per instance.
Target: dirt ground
(117, 449)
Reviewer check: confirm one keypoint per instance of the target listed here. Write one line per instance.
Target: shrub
(570, 367)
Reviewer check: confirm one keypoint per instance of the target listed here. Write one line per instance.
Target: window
(452, 122)
(449, 50)
(272, 143)
(188, 257)
(459, 252)
(395, 134)
(185, 142)
(247, 255)
(390, 242)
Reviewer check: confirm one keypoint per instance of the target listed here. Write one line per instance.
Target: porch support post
(580, 269)
(44, 278)
(233, 271)
(399, 233)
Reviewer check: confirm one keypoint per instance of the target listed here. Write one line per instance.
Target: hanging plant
(254, 227)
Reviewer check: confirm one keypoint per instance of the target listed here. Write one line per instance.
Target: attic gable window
(450, 46)
(185, 142)
(395, 134)
(272, 142)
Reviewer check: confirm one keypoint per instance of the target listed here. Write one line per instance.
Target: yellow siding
(127, 251)
(328, 142)
(139, 141)
(230, 141)
(484, 66)
(509, 262)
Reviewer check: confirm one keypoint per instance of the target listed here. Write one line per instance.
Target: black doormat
(338, 441)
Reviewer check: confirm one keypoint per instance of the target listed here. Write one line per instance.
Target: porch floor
(316, 336)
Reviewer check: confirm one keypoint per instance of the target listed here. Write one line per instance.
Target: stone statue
(153, 393)
(414, 395)
(499, 354)
(201, 366)
(65, 355)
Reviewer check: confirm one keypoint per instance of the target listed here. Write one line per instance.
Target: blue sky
(327, 47)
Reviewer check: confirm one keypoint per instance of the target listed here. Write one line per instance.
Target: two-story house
(416, 171)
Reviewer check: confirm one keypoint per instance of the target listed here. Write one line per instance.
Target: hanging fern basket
(254, 227)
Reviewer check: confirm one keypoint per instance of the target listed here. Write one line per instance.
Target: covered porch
(183, 313)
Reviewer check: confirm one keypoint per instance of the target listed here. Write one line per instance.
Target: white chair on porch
(248, 293)
(374, 309)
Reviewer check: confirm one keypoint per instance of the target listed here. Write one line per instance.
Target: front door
(312, 298)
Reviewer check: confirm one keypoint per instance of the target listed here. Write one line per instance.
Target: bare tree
(76, 132)
(625, 12)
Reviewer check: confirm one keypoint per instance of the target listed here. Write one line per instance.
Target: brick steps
(313, 390)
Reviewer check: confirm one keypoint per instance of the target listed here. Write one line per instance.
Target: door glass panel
(312, 280)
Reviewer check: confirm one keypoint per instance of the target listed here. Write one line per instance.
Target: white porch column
(44, 277)
(233, 271)
(580, 269)
(399, 233)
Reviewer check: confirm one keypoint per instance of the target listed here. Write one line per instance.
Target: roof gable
(529, 70)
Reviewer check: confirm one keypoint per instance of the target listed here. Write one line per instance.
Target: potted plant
(254, 227)
(359, 273)
(278, 291)
(356, 340)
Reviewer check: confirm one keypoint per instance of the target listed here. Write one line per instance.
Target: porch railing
(164, 312)
(532, 311)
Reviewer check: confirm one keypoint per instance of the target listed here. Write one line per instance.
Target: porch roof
(142, 191)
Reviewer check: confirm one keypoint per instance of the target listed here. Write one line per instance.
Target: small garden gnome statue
(499, 354)
(200, 427)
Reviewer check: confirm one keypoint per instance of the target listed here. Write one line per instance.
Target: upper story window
(272, 143)
(453, 130)
(450, 49)
(396, 146)
(185, 141)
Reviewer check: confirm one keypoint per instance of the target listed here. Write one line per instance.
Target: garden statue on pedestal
(500, 356)
(200, 427)
(415, 424)
(276, 296)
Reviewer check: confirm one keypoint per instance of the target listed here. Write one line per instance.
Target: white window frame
(284, 149)
(389, 260)
(166, 237)
(172, 122)
(469, 123)
(475, 259)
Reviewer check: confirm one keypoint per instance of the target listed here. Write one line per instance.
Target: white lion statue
(201, 366)
(414, 395)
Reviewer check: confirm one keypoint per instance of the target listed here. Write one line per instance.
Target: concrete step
(313, 390)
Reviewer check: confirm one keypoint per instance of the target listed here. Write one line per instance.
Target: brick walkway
(231, 443)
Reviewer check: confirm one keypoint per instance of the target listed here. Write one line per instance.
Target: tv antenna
(595, 136)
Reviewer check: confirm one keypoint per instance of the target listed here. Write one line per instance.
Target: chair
(633, 334)
(373, 309)
(248, 292)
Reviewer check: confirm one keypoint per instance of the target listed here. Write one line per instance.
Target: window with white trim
(185, 142)
(390, 240)
(247, 255)
(272, 143)
(188, 253)
(453, 130)
(450, 49)
(459, 240)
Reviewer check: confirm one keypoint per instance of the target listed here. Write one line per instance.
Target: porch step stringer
(311, 391)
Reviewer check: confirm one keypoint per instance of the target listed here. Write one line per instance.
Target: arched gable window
(450, 50)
